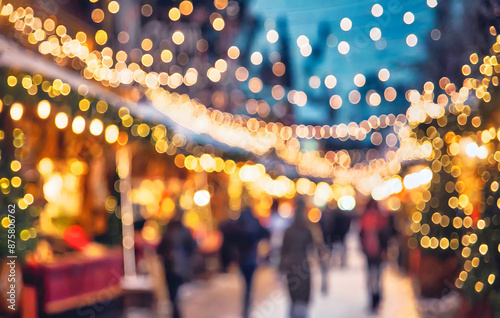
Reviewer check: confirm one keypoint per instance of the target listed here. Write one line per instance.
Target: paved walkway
(221, 297)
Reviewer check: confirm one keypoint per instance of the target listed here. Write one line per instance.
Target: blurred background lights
(482, 152)
(347, 203)
(78, 124)
(113, 7)
(111, 133)
(408, 18)
(272, 36)
(346, 24)
(359, 80)
(344, 47)
(377, 10)
(414, 180)
(432, 3)
(43, 109)
(375, 34)
(314, 215)
(201, 198)
(411, 40)
(16, 111)
(96, 127)
(387, 188)
(384, 74)
(472, 149)
(61, 120)
(285, 210)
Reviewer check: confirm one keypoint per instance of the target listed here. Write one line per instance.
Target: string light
(285, 138)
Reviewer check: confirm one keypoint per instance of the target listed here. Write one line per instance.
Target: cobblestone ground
(347, 296)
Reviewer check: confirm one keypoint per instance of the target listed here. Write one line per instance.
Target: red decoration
(75, 237)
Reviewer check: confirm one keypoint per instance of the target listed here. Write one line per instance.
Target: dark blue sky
(320, 21)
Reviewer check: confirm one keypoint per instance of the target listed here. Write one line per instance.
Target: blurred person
(335, 225)
(177, 249)
(374, 233)
(240, 240)
(341, 226)
(298, 242)
(277, 226)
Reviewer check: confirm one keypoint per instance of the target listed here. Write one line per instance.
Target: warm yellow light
(167, 206)
(16, 111)
(143, 130)
(113, 7)
(26, 82)
(147, 44)
(5, 222)
(186, 7)
(491, 279)
(43, 109)
(101, 106)
(111, 133)
(61, 120)
(101, 37)
(24, 235)
(45, 166)
(166, 56)
(78, 125)
(110, 203)
(4, 183)
(213, 74)
(147, 60)
(220, 4)
(81, 37)
(218, 24)
(174, 14)
(96, 127)
(314, 215)
(221, 65)
(84, 104)
(12, 81)
(233, 52)
(178, 37)
(15, 165)
(483, 249)
(482, 152)
(77, 167)
(16, 182)
(97, 15)
(28, 198)
(479, 286)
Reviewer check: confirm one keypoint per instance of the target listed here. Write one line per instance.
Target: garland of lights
(99, 63)
(79, 50)
(317, 163)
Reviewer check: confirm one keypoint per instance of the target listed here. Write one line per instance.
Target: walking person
(298, 242)
(177, 249)
(374, 233)
(335, 225)
(240, 240)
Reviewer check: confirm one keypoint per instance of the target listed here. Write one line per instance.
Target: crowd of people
(302, 243)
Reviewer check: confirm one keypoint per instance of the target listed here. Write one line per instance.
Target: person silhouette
(240, 240)
(298, 242)
(374, 234)
(177, 248)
